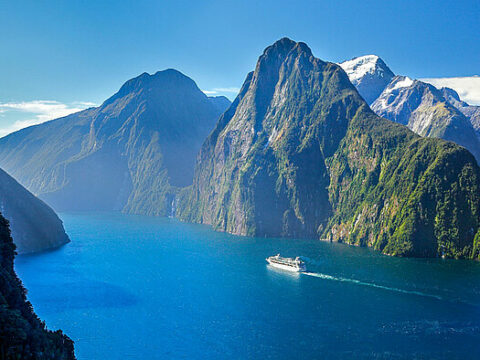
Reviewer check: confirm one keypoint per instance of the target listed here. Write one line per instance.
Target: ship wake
(373, 285)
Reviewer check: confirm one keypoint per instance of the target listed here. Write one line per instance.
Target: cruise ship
(285, 263)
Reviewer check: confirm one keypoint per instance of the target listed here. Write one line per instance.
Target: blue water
(132, 287)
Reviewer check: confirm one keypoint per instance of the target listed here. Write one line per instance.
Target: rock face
(300, 154)
(472, 112)
(35, 226)
(22, 333)
(369, 74)
(425, 110)
(130, 154)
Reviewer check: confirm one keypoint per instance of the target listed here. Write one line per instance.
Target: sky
(61, 56)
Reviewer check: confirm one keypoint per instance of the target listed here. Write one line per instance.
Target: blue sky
(75, 53)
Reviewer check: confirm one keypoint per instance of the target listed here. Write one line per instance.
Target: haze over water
(133, 287)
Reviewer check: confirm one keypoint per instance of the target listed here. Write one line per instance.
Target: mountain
(468, 87)
(472, 112)
(220, 102)
(423, 108)
(35, 226)
(131, 153)
(414, 103)
(299, 153)
(22, 334)
(369, 74)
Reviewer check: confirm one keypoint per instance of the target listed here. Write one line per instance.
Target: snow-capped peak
(358, 67)
(369, 74)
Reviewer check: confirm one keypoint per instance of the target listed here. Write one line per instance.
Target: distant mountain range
(300, 154)
(423, 108)
(132, 153)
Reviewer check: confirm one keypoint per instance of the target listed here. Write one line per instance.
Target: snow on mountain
(426, 110)
(369, 74)
(402, 83)
(358, 67)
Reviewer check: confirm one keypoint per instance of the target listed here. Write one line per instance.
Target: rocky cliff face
(35, 226)
(369, 74)
(300, 154)
(131, 153)
(22, 334)
(424, 109)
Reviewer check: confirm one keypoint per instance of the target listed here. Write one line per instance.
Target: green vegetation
(22, 334)
(300, 154)
(421, 199)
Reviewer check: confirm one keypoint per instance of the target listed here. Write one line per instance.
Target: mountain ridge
(423, 108)
(414, 103)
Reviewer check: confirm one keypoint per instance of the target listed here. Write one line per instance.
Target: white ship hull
(285, 267)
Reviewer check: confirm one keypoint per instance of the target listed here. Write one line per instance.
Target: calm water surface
(133, 287)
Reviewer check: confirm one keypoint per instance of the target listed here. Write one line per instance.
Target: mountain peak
(168, 79)
(359, 67)
(369, 74)
(282, 47)
(162, 75)
(450, 94)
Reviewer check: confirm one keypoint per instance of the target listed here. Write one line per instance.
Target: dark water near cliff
(131, 287)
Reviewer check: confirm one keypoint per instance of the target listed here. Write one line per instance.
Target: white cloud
(219, 91)
(468, 88)
(84, 104)
(227, 89)
(209, 92)
(34, 112)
